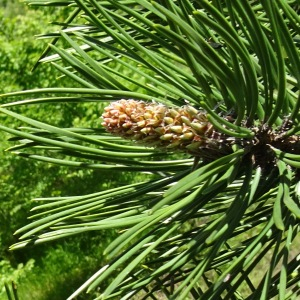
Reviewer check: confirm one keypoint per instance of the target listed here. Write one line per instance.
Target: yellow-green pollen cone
(156, 125)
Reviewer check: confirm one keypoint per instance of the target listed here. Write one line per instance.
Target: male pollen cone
(156, 125)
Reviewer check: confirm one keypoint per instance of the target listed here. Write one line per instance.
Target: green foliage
(63, 267)
(22, 180)
(19, 51)
(197, 229)
(12, 274)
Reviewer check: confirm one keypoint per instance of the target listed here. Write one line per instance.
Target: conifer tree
(204, 97)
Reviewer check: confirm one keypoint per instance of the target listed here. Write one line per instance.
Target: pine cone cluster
(156, 125)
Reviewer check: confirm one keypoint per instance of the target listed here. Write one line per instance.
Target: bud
(177, 128)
